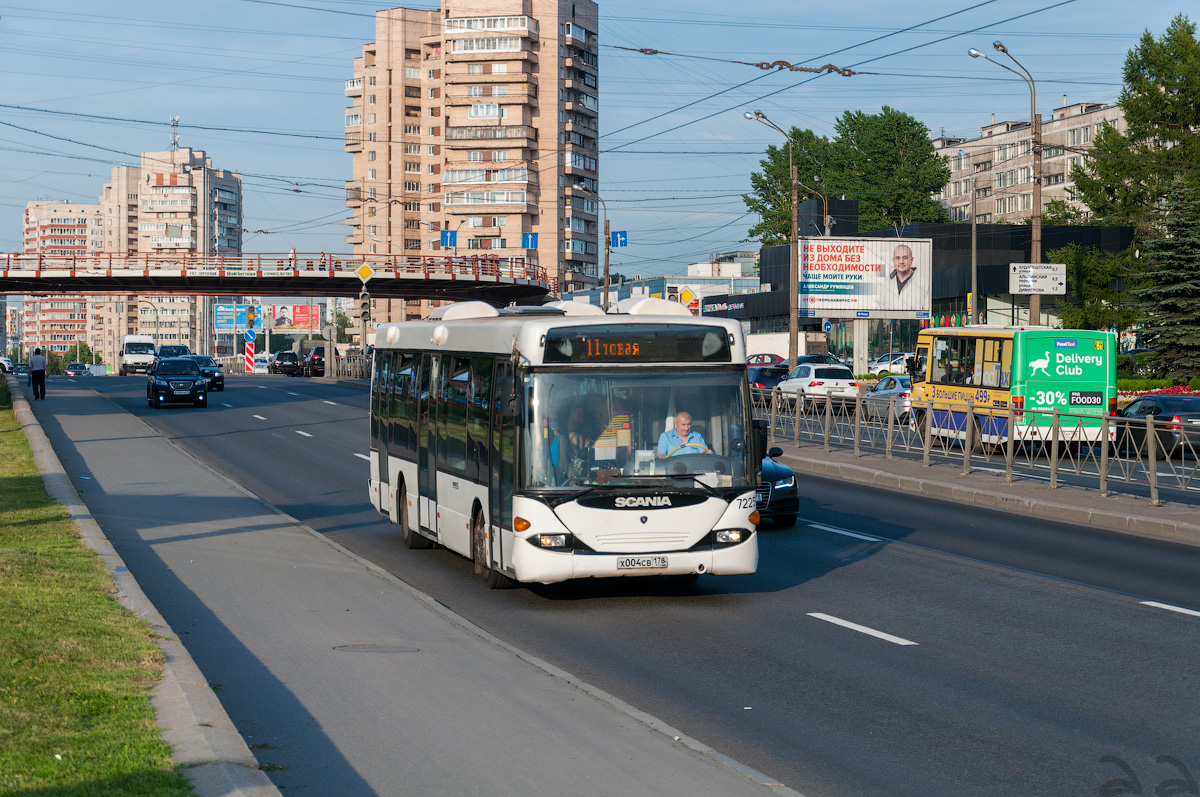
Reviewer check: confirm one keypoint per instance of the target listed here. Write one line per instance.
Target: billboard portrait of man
(902, 267)
(283, 319)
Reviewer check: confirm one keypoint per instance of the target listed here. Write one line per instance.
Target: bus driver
(681, 439)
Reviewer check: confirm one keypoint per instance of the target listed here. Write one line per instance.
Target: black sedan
(211, 371)
(777, 498)
(765, 377)
(176, 380)
(1176, 422)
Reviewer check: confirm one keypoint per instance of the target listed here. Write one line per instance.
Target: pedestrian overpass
(448, 278)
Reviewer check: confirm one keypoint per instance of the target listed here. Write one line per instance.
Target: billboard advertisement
(286, 318)
(866, 277)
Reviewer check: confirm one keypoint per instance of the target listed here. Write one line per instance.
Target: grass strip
(76, 668)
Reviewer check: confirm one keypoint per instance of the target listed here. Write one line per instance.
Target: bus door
(381, 416)
(427, 389)
(503, 460)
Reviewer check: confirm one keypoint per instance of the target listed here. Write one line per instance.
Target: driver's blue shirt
(670, 440)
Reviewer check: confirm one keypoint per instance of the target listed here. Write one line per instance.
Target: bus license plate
(642, 563)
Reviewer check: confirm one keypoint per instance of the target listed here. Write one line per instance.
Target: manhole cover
(377, 648)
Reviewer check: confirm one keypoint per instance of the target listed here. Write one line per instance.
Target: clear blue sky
(672, 175)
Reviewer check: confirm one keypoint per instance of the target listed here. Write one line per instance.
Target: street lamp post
(794, 280)
(1035, 121)
(607, 240)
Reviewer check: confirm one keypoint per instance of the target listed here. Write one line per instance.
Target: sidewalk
(347, 680)
(1024, 496)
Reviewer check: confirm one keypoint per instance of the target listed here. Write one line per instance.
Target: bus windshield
(619, 428)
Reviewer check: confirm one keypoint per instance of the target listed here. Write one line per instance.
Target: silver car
(892, 362)
(879, 397)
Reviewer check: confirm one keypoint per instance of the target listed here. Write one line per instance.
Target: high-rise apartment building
(998, 166)
(478, 119)
(173, 202)
(59, 229)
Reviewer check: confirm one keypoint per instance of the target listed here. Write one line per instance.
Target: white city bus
(527, 439)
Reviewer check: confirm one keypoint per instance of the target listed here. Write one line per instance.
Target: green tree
(1097, 288)
(771, 199)
(1170, 295)
(886, 161)
(1128, 173)
(80, 352)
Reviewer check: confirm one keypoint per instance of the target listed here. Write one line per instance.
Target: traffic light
(251, 311)
(364, 306)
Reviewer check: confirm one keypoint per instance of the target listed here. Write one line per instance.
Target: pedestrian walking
(37, 374)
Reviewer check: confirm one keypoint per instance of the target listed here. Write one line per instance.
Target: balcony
(459, 78)
(354, 87)
(354, 141)
(517, 94)
(354, 194)
(475, 137)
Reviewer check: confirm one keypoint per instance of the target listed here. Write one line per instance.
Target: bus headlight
(729, 536)
(552, 541)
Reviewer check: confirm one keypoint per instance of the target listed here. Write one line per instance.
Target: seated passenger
(681, 439)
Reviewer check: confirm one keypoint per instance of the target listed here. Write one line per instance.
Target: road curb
(1152, 528)
(205, 745)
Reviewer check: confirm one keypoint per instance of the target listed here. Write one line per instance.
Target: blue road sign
(450, 238)
(529, 240)
(250, 335)
(620, 239)
(828, 326)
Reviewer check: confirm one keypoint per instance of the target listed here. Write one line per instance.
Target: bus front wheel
(483, 569)
(411, 538)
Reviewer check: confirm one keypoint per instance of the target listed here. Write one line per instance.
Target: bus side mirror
(760, 439)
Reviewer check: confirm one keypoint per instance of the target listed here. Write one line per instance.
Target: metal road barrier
(1107, 452)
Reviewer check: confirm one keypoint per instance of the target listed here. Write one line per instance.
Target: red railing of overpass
(478, 267)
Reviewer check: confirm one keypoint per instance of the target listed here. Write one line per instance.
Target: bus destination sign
(643, 343)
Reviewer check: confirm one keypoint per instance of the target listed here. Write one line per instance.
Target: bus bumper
(534, 564)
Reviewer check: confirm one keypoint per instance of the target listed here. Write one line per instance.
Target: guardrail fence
(1109, 452)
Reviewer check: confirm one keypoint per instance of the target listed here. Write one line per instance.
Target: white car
(892, 362)
(811, 383)
(5, 365)
(260, 365)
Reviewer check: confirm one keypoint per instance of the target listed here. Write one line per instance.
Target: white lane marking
(261, 418)
(262, 387)
(305, 434)
(226, 405)
(291, 394)
(334, 403)
(1171, 608)
(363, 456)
(845, 533)
(861, 629)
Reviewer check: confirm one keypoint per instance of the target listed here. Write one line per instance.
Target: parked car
(879, 397)
(77, 369)
(176, 380)
(820, 359)
(285, 362)
(1180, 433)
(261, 365)
(891, 363)
(777, 498)
(766, 377)
(765, 359)
(6, 365)
(812, 383)
(314, 361)
(210, 369)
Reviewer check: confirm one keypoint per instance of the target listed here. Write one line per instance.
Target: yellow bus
(979, 371)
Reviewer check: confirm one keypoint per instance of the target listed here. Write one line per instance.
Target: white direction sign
(1037, 278)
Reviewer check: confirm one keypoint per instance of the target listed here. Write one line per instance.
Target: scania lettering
(527, 440)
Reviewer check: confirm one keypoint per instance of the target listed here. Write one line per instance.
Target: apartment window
(499, 69)
(434, 112)
(371, 193)
(412, 207)
(412, 167)
(371, 80)
(412, 73)
(370, 174)
(474, 69)
(371, 248)
(412, 149)
(431, 149)
(371, 118)
(371, 155)
(433, 73)
(475, 221)
(433, 94)
(499, 91)
(410, 185)
(370, 99)
(500, 156)
(370, 229)
(370, 136)
(474, 91)
(412, 243)
(371, 211)
(475, 157)
(432, 168)
(412, 130)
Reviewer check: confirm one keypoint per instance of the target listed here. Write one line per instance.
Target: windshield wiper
(709, 489)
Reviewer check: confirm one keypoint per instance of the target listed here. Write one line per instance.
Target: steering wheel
(702, 450)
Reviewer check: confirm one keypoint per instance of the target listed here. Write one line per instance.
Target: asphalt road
(887, 646)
